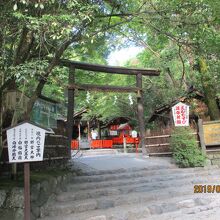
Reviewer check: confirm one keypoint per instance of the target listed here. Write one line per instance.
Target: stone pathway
(126, 187)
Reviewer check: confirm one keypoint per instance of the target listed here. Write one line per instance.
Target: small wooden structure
(113, 124)
(119, 130)
(209, 133)
(137, 72)
(43, 113)
(162, 116)
(79, 125)
(14, 99)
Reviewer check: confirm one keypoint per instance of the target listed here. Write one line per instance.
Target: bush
(186, 151)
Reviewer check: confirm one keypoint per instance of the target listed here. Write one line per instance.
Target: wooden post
(99, 130)
(140, 112)
(201, 136)
(27, 204)
(70, 110)
(88, 130)
(79, 129)
(14, 171)
(124, 144)
(136, 145)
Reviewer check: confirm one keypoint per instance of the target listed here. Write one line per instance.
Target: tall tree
(193, 26)
(34, 35)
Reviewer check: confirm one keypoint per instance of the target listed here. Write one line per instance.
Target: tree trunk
(210, 99)
(24, 46)
(209, 90)
(44, 79)
(1, 144)
(140, 114)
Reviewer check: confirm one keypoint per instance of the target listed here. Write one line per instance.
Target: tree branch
(54, 61)
(170, 76)
(24, 46)
(183, 68)
(5, 84)
(172, 37)
(52, 64)
(122, 14)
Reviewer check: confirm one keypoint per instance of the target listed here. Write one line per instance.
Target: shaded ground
(116, 161)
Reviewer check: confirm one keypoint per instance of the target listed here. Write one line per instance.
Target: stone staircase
(160, 193)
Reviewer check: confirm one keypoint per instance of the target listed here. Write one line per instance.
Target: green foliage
(175, 35)
(34, 31)
(105, 105)
(185, 149)
(167, 30)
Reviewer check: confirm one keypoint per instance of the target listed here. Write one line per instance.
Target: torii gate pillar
(140, 113)
(70, 110)
(113, 70)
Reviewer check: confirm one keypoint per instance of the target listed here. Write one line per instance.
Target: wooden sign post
(26, 144)
(209, 133)
(27, 200)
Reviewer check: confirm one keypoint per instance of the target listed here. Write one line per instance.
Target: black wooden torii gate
(72, 65)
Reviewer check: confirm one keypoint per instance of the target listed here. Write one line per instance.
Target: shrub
(186, 151)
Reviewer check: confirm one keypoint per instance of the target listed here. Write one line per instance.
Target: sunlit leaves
(28, 71)
(15, 7)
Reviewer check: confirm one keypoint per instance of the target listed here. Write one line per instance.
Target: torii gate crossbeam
(113, 70)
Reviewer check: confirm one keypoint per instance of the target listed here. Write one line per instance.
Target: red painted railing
(106, 143)
(101, 144)
(74, 145)
(129, 140)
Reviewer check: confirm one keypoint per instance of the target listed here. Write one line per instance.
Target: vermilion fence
(128, 140)
(106, 143)
(101, 144)
(74, 145)
(94, 144)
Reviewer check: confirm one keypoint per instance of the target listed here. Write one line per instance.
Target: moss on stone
(36, 177)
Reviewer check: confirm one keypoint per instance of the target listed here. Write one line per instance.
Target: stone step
(141, 195)
(97, 152)
(204, 212)
(152, 168)
(135, 174)
(92, 172)
(139, 178)
(144, 209)
(135, 169)
(144, 185)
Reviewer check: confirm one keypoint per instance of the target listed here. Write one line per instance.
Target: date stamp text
(206, 188)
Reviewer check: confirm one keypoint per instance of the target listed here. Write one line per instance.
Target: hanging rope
(130, 99)
(88, 97)
(115, 100)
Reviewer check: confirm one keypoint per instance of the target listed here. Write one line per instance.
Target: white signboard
(134, 134)
(181, 114)
(25, 143)
(113, 133)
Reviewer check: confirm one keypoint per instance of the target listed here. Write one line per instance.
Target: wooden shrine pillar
(99, 129)
(88, 131)
(70, 110)
(79, 130)
(140, 113)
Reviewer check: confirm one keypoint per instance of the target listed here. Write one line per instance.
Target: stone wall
(12, 201)
(214, 157)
